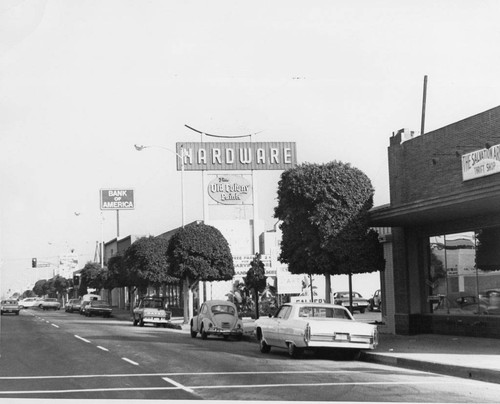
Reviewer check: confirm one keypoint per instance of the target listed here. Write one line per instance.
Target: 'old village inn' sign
(229, 189)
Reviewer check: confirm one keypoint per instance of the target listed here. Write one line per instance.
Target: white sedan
(300, 326)
(29, 302)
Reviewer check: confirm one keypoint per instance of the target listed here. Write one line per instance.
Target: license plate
(341, 337)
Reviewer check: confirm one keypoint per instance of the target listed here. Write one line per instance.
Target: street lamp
(140, 147)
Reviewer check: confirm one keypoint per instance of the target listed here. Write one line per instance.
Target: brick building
(444, 215)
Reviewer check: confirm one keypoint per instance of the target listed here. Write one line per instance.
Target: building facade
(444, 216)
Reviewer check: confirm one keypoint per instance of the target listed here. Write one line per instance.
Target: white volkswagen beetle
(217, 317)
(300, 326)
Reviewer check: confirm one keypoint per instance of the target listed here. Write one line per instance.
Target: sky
(81, 82)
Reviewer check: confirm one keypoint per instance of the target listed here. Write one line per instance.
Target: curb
(464, 372)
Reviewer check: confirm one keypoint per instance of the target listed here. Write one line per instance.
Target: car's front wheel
(194, 333)
(203, 333)
(135, 322)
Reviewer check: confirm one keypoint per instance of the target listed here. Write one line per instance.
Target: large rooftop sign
(220, 156)
(481, 163)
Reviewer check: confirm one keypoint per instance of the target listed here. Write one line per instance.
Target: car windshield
(153, 304)
(323, 312)
(9, 302)
(345, 295)
(99, 304)
(223, 309)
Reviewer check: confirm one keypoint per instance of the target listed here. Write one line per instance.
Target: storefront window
(464, 273)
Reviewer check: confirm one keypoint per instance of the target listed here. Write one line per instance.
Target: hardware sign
(219, 156)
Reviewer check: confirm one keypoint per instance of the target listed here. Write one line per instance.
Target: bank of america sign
(221, 156)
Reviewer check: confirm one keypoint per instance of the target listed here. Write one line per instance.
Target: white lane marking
(178, 385)
(130, 361)
(53, 325)
(88, 390)
(102, 348)
(83, 339)
(47, 321)
(224, 387)
(212, 374)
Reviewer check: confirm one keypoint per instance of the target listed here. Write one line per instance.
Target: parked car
(29, 302)
(375, 302)
(152, 310)
(472, 304)
(9, 306)
(73, 305)
(492, 299)
(359, 303)
(312, 326)
(49, 303)
(98, 308)
(85, 301)
(83, 306)
(217, 317)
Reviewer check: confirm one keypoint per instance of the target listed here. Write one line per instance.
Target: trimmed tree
(323, 210)
(90, 277)
(41, 287)
(145, 264)
(255, 280)
(199, 252)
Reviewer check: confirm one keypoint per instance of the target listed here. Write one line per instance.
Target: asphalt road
(62, 355)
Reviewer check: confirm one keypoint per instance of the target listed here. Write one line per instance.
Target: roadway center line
(130, 361)
(102, 348)
(82, 339)
(53, 325)
(178, 385)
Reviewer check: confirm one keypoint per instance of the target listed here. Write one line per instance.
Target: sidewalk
(466, 357)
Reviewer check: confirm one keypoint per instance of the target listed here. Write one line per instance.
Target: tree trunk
(328, 288)
(350, 292)
(130, 299)
(256, 304)
(186, 300)
(311, 286)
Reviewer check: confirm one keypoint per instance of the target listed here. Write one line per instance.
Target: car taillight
(375, 337)
(307, 333)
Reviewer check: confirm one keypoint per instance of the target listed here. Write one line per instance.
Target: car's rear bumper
(334, 345)
(155, 320)
(221, 332)
(99, 312)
